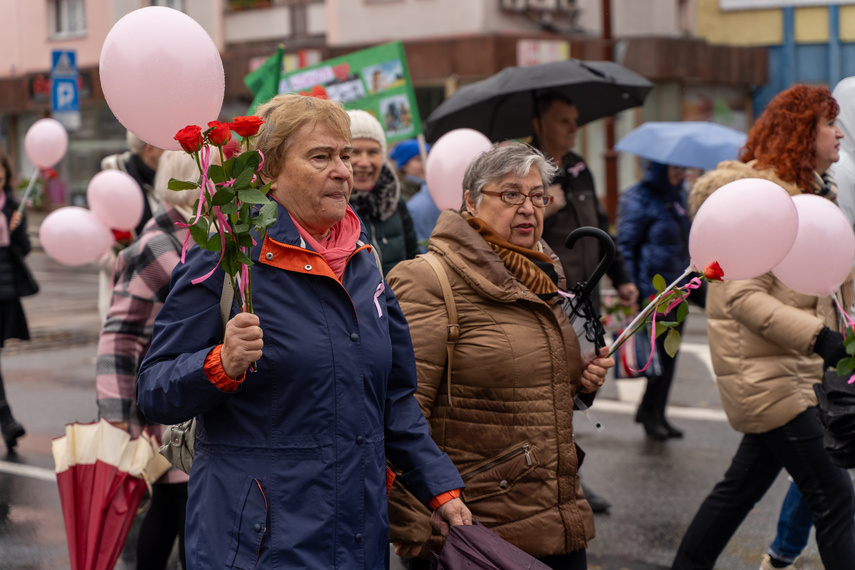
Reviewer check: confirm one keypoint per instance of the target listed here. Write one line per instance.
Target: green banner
(376, 80)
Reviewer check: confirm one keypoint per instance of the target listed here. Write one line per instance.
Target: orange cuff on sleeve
(443, 498)
(213, 369)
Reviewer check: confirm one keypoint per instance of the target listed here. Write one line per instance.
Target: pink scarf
(4, 225)
(339, 243)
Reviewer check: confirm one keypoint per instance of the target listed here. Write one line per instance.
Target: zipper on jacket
(524, 448)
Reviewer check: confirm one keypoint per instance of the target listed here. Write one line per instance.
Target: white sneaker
(766, 564)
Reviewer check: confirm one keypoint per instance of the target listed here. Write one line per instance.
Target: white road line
(605, 405)
(28, 471)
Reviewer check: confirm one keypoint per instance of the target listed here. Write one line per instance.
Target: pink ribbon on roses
(682, 293)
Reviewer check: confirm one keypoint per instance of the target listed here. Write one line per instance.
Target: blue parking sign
(64, 95)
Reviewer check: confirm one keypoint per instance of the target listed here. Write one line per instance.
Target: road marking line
(28, 471)
(605, 405)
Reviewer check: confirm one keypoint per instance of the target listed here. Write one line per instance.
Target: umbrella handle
(142, 508)
(609, 253)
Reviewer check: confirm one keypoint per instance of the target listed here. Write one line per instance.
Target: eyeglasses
(514, 198)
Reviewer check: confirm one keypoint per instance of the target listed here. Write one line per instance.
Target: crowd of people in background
(359, 219)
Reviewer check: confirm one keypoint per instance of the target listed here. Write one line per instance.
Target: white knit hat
(363, 125)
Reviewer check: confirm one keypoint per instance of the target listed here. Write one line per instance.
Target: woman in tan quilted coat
(769, 344)
(505, 413)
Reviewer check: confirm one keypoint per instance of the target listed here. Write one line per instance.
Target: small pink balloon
(747, 226)
(116, 199)
(74, 236)
(820, 260)
(45, 143)
(160, 71)
(447, 163)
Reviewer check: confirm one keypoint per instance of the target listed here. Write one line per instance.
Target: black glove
(829, 345)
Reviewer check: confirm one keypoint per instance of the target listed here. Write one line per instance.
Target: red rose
(713, 272)
(190, 138)
(122, 236)
(247, 126)
(219, 133)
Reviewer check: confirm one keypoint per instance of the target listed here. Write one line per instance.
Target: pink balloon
(447, 163)
(116, 199)
(45, 143)
(74, 236)
(747, 226)
(824, 252)
(160, 71)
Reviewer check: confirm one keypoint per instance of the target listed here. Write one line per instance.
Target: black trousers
(797, 447)
(162, 523)
(656, 394)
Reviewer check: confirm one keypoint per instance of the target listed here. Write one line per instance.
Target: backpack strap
(451, 308)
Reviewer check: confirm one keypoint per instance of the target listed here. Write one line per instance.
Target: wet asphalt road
(655, 488)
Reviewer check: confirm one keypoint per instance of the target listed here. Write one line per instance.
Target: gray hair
(503, 160)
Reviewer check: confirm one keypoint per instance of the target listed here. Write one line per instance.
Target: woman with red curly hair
(769, 345)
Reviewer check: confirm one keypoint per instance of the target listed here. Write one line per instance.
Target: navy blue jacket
(290, 469)
(653, 229)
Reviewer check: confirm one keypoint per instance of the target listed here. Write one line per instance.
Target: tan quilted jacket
(762, 333)
(516, 369)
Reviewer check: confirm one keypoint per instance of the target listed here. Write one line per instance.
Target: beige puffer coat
(516, 369)
(761, 332)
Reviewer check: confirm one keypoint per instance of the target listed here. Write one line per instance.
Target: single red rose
(713, 272)
(219, 133)
(50, 173)
(190, 138)
(122, 236)
(246, 126)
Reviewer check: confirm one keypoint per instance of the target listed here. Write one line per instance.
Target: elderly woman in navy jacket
(290, 464)
(653, 237)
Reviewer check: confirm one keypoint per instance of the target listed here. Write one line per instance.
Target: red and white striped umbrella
(102, 475)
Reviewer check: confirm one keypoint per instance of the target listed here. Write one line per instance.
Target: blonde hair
(286, 114)
(181, 166)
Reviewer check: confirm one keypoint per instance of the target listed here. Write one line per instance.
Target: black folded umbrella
(475, 546)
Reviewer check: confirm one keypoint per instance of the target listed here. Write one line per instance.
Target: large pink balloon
(74, 236)
(447, 163)
(747, 226)
(45, 143)
(116, 199)
(160, 71)
(822, 256)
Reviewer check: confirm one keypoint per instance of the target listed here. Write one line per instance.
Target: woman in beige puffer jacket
(506, 417)
(768, 345)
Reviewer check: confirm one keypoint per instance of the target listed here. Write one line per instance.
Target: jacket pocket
(498, 475)
(250, 526)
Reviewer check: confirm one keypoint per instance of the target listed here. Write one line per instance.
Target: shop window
(67, 17)
(177, 4)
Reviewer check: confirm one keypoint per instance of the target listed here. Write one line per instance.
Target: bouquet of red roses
(233, 201)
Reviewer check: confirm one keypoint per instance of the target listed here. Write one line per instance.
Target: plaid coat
(140, 283)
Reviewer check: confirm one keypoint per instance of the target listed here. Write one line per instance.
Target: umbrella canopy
(102, 474)
(502, 106)
(476, 546)
(693, 144)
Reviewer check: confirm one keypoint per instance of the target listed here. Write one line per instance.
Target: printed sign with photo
(376, 80)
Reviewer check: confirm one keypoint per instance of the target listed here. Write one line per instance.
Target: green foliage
(241, 200)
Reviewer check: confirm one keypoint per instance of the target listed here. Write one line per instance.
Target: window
(177, 4)
(68, 17)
